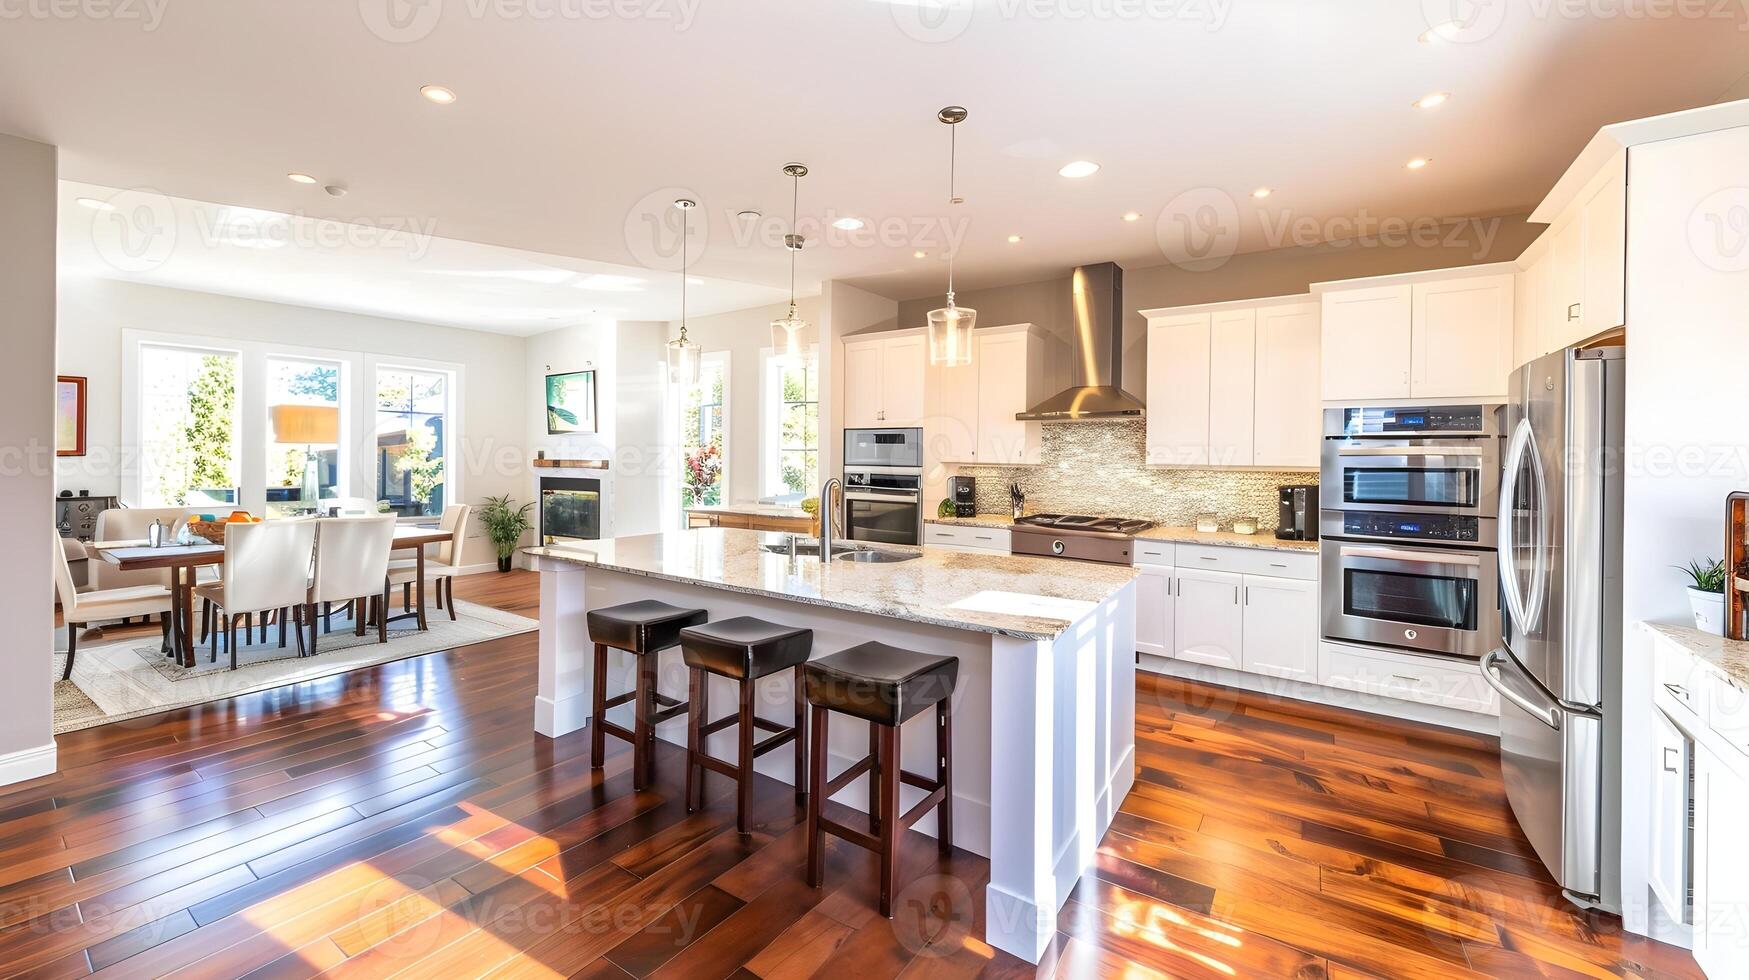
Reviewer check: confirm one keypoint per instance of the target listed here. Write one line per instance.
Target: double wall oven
(883, 485)
(1409, 500)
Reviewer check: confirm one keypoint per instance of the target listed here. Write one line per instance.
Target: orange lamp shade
(305, 424)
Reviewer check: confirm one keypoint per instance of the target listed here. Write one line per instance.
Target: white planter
(1709, 611)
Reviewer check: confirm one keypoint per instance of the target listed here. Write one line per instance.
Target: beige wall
(27, 443)
(493, 449)
(1278, 272)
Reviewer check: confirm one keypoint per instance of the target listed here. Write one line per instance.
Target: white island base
(1043, 727)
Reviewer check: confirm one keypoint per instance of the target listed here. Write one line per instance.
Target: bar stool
(743, 649)
(643, 629)
(883, 685)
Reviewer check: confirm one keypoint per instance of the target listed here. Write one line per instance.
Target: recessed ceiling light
(1132, 216)
(848, 224)
(1262, 192)
(1440, 32)
(919, 254)
(1013, 238)
(1418, 163)
(437, 94)
(96, 205)
(1431, 99)
(300, 178)
(1078, 168)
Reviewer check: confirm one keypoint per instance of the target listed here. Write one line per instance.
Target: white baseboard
(480, 569)
(16, 767)
(1427, 714)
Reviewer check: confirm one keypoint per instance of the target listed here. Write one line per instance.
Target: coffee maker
(963, 491)
(1298, 517)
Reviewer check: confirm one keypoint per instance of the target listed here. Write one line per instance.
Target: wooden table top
(135, 555)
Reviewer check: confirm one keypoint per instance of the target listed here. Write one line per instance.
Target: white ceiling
(384, 268)
(573, 131)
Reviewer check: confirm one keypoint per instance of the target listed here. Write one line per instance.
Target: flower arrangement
(703, 468)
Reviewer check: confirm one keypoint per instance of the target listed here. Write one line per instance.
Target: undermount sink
(876, 557)
(810, 548)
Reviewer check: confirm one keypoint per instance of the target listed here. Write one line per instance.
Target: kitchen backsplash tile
(1099, 468)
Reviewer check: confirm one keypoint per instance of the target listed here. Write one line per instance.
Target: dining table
(185, 561)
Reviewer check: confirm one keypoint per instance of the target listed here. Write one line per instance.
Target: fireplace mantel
(542, 463)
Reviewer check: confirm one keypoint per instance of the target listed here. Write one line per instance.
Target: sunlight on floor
(1150, 923)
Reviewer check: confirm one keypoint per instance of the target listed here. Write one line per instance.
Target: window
(411, 440)
(703, 423)
(303, 431)
(789, 444)
(189, 427)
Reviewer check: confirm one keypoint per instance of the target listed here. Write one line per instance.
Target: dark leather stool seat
(880, 683)
(745, 648)
(742, 649)
(883, 685)
(642, 628)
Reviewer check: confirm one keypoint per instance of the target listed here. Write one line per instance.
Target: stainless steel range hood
(1097, 307)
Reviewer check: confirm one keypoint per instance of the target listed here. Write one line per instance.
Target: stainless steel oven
(883, 449)
(883, 485)
(1432, 460)
(1431, 599)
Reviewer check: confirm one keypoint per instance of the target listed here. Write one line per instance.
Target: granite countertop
(753, 510)
(982, 520)
(1011, 595)
(1265, 540)
(1729, 659)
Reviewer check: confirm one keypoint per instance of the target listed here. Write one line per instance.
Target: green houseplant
(1706, 593)
(505, 524)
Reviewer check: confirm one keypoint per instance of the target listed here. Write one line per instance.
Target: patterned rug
(127, 678)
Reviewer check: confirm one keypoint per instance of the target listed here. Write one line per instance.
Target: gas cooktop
(1078, 522)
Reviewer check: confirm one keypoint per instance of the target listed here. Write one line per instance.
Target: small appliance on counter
(963, 491)
(1298, 518)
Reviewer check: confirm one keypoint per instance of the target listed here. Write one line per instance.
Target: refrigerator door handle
(1519, 605)
(1549, 713)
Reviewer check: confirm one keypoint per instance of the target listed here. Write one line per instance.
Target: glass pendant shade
(683, 360)
(950, 335)
(786, 336)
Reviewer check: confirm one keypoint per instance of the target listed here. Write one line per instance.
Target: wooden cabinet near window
(751, 520)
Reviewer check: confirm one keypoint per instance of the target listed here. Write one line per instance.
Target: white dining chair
(352, 562)
(267, 570)
(80, 609)
(131, 524)
(441, 570)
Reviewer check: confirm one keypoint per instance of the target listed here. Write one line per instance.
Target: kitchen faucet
(828, 517)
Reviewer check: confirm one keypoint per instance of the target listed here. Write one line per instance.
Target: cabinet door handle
(1406, 678)
(1573, 311)
(1678, 690)
(1247, 595)
(1235, 595)
(1668, 765)
(1207, 558)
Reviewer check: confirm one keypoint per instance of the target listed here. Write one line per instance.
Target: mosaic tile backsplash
(1098, 468)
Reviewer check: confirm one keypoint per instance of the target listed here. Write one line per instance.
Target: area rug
(127, 678)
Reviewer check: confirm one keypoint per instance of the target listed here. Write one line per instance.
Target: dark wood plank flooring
(404, 820)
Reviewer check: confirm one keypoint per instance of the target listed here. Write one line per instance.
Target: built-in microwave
(882, 448)
(1442, 460)
(1439, 600)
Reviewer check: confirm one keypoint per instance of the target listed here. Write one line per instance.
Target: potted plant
(505, 524)
(1706, 596)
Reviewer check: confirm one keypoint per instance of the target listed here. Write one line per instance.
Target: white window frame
(671, 516)
(358, 372)
(770, 402)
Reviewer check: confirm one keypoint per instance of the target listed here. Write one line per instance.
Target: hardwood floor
(404, 820)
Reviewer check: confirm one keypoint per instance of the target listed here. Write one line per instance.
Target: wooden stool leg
(816, 779)
(72, 650)
(695, 719)
(891, 832)
(281, 615)
(800, 777)
(383, 617)
(874, 779)
(231, 637)
(643, 733)
(744, 777)
(944, 775)
(447, 586)
(597, 737)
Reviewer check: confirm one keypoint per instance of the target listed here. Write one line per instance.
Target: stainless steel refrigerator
(1558, 670)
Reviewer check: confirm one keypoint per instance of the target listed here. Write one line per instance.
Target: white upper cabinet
(883, 382)
(1603, 296)
(1178, 389)
(1461, 338)
(1232, 379)
(1577, 270)
(1288, 412)
(1001, 360)
(971, 410)
(1366, 345)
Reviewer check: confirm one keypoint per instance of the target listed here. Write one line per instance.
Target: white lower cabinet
(1278, 641)
(1721, 865)
(966, 537)
(1670, 868)
(1154, 609)
(1208, 620)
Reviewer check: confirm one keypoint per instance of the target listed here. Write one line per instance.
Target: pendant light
(786, 331)
(950, 328)
(683, 354)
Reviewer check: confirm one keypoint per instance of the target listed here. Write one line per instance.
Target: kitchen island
(1044, 711)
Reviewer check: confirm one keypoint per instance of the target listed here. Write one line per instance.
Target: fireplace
(570, 509)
